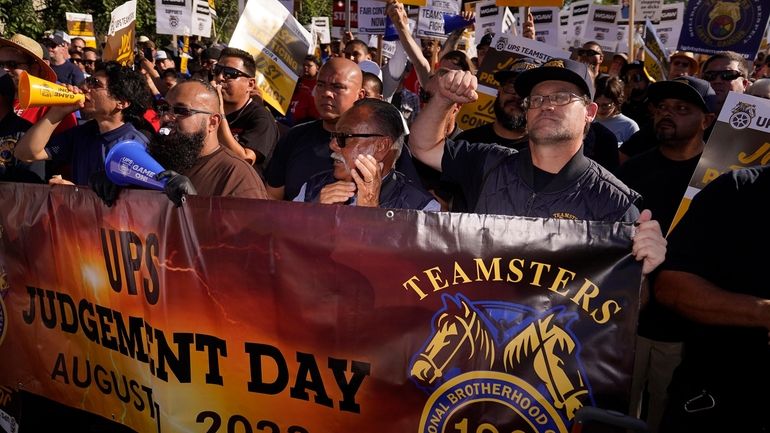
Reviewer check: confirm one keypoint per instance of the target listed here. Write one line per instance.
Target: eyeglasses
(228, 72)
(556, 99)
(88, 62)
(93, 83)
(11, 64)
(727, 75)
(587, 53)
(175, 112)
(341, 137)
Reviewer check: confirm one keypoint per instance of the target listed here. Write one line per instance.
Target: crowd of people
(575, 138)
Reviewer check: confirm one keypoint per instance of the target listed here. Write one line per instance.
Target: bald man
(190, 149)
(304, 151)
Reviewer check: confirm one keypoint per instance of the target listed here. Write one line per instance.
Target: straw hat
(690, 57)
(33, 49)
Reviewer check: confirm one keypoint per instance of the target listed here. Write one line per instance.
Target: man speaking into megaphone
(115, 99)
(188, 148)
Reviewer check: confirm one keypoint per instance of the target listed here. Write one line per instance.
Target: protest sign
(740, 138)
(173, 17)
(121, 34)
(503, 51)
(279, 45)
(81, 26)
(670, 26)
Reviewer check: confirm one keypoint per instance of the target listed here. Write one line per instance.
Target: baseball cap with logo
(59, 37)
(558, 70)
(160, 55)
(33, 49)
(689, 89)
(517, 67)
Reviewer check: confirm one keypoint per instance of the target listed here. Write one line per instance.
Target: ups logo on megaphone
(128, 162)
(37, 92)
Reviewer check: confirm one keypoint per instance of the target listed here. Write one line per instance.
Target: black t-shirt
(662, 183)
(722, 239)
(486, 134)
(255, 128)
(601, 145)
(12, 127)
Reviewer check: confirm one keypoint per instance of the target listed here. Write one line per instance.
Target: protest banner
(740, 138)
(655, 56)
(564, 33)
(121, 34)
(255, 315)
(503, 51)
(340, 13)
(670, 26)
(81, 26)
(486, 13)
(711, 26)
(173, 17)
(279, 45)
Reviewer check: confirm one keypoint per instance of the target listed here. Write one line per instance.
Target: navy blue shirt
(68, 73)
(85, 147)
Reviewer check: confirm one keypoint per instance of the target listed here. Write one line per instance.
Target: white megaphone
(128, 162)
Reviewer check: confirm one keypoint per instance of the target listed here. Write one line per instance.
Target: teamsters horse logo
(505, 367)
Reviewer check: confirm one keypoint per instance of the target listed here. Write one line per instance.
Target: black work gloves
(104, 188)
(177, 186)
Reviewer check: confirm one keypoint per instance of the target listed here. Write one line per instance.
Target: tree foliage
(21, 17)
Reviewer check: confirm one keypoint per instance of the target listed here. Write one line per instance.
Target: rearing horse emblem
(510, 338)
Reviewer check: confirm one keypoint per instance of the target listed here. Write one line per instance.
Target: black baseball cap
(685, 88)
(558, 70)
(517, 67)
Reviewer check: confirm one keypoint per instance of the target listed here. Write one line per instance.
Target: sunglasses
(177, 111)
(228, 72)
(588, 53)
(341, 137)
(724, 75)
(11, 64)
(93, 83)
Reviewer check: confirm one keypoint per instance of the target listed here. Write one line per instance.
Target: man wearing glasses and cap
(551, 178)
(58, 48)
(248, 129)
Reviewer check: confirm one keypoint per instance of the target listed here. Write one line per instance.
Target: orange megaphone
(37, 92)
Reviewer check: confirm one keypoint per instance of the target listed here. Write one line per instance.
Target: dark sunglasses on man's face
(587, 53)
(11, 64)
(341, 137)
(724, 75)
(228, 72)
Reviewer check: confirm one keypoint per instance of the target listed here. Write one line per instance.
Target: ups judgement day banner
(248, 315)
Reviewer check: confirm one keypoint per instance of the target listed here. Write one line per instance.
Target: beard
(177, 151)
(511, 123)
